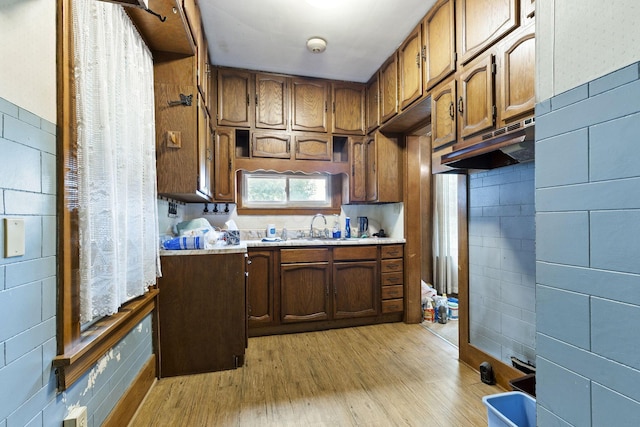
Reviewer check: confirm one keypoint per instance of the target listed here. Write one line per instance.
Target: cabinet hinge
(495, 112)
(493, 68)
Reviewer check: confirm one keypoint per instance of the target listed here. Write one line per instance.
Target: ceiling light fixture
(316, 45)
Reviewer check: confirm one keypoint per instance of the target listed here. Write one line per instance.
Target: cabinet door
(386, 171)
(439, 43)
(357, 180)
(271, 144)
(443, 114)
(260, 287)
(234, 94)
(202, 313)
(224, 173)
(272, 101)
(205, 150)
(304, 292)
(371, 171)
(373, 109)
(355, 289)
(389, 89)
(410, 65)
(313, 147)
(310, 105)
(475, 101)
(481, 23)
(348, 108)
(516, 75)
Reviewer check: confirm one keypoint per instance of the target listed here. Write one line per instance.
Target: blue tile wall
(28, 395)
(587, 240)
(502, 262)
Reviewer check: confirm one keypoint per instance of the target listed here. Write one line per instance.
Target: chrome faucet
(313, 219)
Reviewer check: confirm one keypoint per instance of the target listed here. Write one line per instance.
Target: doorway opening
(444, 257)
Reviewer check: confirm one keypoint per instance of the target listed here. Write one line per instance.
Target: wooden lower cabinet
(392, 281)
(313, 288)
(304, 291)
(261, 307)
(355, 289)
(202, 312)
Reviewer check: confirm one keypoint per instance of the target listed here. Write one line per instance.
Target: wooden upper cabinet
(271, 144)
(443, 114)
(389, 88)
(383, 169)
(313, 146)
(234, 96)
(373, 109)
(410, 65)
(205, 150)
(272, 101)
(348, 108)
(224, 171)
(357, 177)
(476, 98)
(439, 44)
(371, 171)
(516, 75)
(194, 20)
(480, 23)
(309, 104)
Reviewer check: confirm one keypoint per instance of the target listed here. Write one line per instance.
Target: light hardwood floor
(382, 375)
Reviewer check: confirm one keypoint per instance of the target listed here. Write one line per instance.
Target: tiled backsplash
(389, 217)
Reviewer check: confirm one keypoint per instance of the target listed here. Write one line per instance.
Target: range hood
(502, 147)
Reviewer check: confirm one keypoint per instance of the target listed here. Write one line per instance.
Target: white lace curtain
(117, 191)
(445, 234)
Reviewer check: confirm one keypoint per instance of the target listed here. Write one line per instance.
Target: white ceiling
(271, 35)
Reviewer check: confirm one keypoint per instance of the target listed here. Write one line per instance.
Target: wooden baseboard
(126, 407)
(504, 373)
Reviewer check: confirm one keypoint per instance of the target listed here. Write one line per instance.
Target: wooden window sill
(100, 338)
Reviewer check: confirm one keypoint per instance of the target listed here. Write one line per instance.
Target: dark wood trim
(323, 325)
(468, 353)
(68, 318)
(101, 337)
(128, 404)
(412, 227)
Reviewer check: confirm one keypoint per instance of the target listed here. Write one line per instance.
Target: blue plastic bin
(510, 409)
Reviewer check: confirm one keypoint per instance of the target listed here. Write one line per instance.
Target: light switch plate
(13, 237)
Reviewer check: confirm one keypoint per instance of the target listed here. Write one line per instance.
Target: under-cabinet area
(295, 289)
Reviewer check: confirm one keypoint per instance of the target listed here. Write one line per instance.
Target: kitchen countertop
(242, 247)
(324, 242)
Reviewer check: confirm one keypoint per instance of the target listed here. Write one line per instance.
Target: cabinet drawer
(392, 305)
(388, 265)
(391, 292)
(303, 255)
(393, 278)
(355, 253)
(392, 251)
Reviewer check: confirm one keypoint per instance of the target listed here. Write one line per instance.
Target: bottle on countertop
(336, 226)
(347, 228)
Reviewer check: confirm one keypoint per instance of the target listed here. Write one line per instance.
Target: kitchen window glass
(285, 190)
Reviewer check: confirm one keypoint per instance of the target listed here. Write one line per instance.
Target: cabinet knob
(418, 60)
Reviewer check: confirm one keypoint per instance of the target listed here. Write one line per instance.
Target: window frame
(77, 350)
(287, 177)
(335, 194)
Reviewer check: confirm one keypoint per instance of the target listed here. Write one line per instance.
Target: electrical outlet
(76, 418)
